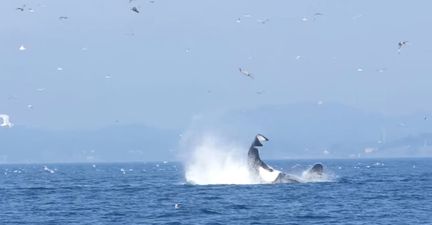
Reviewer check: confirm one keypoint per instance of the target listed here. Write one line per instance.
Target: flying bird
(246, 73)
(381, 70)
(316, 15)
(135, 9)
(21, 8)
(263, 21)
(63, 17)
(6, 122)
(401, 44)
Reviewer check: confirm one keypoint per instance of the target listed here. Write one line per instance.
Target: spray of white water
(213, 161)
(210, 160)
(307, 177)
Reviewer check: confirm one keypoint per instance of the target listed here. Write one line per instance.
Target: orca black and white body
(254, 161)
(266, 174)
(261, 170)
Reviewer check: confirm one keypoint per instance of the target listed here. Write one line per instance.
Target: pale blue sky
(183, 58)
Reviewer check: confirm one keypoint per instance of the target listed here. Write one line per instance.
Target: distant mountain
(295, 131)
(111, 144)
(331, 131)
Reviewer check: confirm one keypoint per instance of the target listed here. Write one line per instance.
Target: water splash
(210, 160)
(307, 177)
(213, 161)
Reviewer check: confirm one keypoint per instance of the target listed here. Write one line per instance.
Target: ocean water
(378, 191)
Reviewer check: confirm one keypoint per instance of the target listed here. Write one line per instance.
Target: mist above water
(210, 160)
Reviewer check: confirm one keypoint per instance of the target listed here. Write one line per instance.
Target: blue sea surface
(375, 191)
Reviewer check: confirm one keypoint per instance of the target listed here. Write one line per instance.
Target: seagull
(357, 16)
(6, 122)
(263, 21)
(316, 15)
(63, 17)
(135, 9)
(401, 44)
(21, 8)
(246, 73)
(381, 70)
(177, 205)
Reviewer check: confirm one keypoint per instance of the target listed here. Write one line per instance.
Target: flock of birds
(5, 119)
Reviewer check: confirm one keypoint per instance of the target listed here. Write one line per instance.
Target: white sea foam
(48, 170)
(307, 177)
(213, 161)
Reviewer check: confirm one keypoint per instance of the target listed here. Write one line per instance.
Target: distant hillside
(330, 130)
(117, 143)
(295, 131)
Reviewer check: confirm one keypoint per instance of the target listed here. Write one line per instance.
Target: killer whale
(266, 174)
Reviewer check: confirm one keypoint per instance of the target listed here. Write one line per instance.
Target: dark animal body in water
(267, 174)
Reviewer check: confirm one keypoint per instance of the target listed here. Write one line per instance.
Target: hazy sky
(177, 59)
